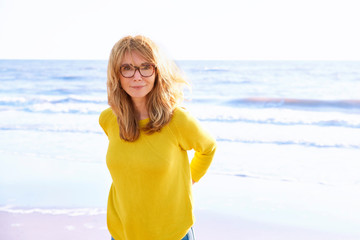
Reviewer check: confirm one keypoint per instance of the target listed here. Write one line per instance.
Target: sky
(184, 29)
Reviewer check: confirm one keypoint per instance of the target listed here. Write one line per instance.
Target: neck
(140, 107)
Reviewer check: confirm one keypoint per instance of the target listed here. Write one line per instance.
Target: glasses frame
(138, 69)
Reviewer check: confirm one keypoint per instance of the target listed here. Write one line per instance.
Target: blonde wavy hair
(161, 101)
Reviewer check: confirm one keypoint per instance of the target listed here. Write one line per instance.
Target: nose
(137, 75)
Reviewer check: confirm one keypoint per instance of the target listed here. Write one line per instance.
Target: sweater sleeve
(193, 136)
(104, 119)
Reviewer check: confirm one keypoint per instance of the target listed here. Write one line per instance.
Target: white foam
(16, 225)
(55, 211)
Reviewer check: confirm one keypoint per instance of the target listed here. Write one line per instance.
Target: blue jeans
(188, 236)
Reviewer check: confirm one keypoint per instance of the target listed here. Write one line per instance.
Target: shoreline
(225, 207)
(208, 226)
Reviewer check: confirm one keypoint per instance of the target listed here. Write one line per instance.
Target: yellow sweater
(150, 196)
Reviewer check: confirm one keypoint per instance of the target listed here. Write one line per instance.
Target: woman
(149, 135)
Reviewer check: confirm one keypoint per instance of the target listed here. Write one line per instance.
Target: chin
(139, 95)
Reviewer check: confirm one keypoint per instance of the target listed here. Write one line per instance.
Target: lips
(137, 87)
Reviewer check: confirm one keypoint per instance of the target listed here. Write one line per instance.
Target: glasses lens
(146, 70)
(127, 70)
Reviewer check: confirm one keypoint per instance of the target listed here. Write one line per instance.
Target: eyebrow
(144, 63)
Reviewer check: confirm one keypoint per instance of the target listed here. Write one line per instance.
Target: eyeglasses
(145, 70)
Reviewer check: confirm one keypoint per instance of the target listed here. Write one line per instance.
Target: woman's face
(136, 86)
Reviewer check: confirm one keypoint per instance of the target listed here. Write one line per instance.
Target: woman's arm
(194, 136)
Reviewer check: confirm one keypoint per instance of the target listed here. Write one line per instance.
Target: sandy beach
(209, 226)
(220, 214)
(38, 226)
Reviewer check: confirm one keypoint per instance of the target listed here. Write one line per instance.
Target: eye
(146, 66)
(126, 67)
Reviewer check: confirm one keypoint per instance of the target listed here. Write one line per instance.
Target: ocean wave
(77, 130)
(55, 104)
(208, 69)
(69, 78)
(55, 211)
(255, 176)
(290, 142)
(22, 101)
(89, 109)
(273, 121)
(55, 110)
(277, 178)
(215, 69)
(290, 102)
(41, 128)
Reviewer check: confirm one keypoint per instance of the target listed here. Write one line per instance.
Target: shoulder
(106, 116)
(181, 114)
(182, 118)
(190, 132)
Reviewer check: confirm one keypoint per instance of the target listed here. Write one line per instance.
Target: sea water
(275, 121)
